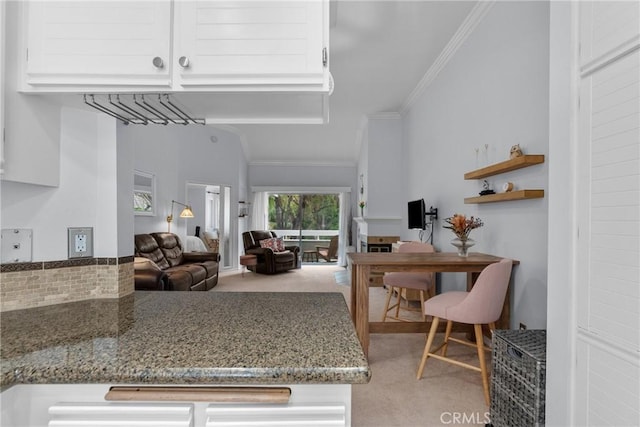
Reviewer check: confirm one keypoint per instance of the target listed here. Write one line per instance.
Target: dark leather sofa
(268, 261)
(161, 264)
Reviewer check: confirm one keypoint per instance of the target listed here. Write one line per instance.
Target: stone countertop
(185, 338)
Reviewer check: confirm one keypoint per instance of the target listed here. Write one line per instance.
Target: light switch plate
(80, 242)
(16, 245)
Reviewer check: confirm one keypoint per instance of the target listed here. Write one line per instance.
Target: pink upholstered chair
(481, 306)
(397, 281)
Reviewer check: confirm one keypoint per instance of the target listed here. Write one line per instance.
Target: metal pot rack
(141, 109)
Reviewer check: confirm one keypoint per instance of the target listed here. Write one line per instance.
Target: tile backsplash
(36, 284)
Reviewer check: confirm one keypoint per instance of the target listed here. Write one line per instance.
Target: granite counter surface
(185, 338)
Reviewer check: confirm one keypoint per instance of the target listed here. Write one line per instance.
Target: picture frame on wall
(144, 193)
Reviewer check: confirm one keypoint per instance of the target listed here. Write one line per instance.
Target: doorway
(308, 220)
(211, 206)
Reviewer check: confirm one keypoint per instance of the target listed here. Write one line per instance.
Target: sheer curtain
(259, 213)
(345, 217)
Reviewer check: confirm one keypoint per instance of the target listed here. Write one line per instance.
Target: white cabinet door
(301, 415)
(81, 43)
(244, 45)
(58, 405)
(140, 414)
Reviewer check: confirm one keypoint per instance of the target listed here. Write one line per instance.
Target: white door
(607, 337)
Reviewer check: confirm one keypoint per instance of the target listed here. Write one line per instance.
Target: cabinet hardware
(325, 58)
(158, 62)
(184, 62)
(200, 394)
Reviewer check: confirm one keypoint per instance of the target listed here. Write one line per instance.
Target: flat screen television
(417, 215)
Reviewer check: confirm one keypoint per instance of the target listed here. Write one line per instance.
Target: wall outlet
(80, 242)
(523, 326)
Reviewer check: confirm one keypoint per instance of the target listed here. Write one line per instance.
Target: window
(144, 192)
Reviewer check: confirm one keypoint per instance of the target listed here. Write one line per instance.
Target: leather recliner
(174, 269)
(268, 261)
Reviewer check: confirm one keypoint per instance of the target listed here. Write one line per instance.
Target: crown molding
(302, 163)
(466, 28)
(389, 115)
(300, 189)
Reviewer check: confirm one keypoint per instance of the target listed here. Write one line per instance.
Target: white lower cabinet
(302, 415)
(120, 414)
(72, 405)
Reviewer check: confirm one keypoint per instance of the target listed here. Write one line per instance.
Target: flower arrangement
(462, 226)
(362, 204)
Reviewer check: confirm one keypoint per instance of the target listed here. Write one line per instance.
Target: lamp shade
(186, 212)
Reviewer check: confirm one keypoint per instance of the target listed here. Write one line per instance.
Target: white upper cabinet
(84, 43)
(261, 44)
(107, 46)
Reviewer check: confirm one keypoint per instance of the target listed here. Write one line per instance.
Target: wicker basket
(518, 378)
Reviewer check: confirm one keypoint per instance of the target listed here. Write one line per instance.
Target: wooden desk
(363, 264)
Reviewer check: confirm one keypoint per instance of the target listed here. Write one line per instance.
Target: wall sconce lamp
(186, 213)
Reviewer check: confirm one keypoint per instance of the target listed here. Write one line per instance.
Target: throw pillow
(276, 244)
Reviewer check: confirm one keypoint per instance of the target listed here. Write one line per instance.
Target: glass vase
(463, 245)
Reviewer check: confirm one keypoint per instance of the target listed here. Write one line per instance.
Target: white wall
(31, 148)
(287, 175)
(2, 74)
(86, 196)
(196, 198)
(124, 194)
(384, 155)
(176, 155)
(380, 158)
(493, 91)
(560, 309)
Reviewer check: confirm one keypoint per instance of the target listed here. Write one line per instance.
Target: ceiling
(379, 52)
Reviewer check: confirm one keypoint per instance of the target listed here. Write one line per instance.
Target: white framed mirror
(144, 193)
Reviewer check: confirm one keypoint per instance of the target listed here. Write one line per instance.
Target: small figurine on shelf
(515, 152)
(486, 190)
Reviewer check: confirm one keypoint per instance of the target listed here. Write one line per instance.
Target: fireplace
(379, 243)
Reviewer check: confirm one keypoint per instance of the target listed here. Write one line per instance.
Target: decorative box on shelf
(518, 378)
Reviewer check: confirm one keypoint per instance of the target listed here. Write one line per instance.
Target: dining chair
(480, 306)
(398, 282)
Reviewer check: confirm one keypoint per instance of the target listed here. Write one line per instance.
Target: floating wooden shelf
(506, 166)
(503, 197)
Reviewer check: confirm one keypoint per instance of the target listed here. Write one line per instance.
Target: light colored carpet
(446, 395)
